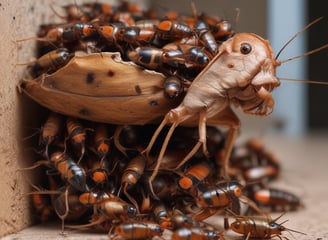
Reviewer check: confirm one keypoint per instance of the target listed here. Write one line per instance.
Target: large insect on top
(244, 73)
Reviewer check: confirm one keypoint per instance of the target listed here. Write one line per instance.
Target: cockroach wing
(102, 88)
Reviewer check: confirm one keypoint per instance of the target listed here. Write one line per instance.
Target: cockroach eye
(245, 48)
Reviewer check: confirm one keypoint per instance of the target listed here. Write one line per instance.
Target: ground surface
(304, 163)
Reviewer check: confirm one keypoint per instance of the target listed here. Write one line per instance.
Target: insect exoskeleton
(135, 230)
(259, 227)
(102, 88)
(69, 170)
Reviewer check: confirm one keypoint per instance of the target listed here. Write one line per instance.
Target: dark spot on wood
(230, 65)
(84, 112)
(138, 89)
(14, 18)
(110, 73)
(153, 103)
(90, 78)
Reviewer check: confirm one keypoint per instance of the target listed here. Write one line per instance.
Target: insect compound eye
(245, 48)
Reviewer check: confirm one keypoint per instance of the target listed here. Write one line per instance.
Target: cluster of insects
(109, 74)
(97, 178)
(175, 45)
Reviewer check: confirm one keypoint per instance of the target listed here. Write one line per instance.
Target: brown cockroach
(259, 227)
(49, 62)
(137, 230)
(50, 130)
(195, 174)
(42, 206)
(196, 233)
(77, 133)
(131, 175)
(101, 140)
(224, 195)
(276, 199)
(162, 215)
(65, 165)
(111, 209)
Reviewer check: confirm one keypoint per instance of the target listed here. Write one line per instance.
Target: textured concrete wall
(18, 19)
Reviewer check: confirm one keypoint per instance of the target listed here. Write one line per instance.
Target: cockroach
(67, 205)
(50, 130)
(111, 33)
(49, 62)
(126, 6)
(117, 209)
(98, 170)
(155, 58)
(136, 36)
(260, 173)
(131, 175)
(161, 215)
(101, 140)
(264, 156)
(148, 24)
(222, 30)
(258, 227)
(111, 209)
(172, 30)
(77, 134)
(69, 170)
(194, 175)
(66, 34)
(137, 230)
(180, 220)
(276, 199)
(223, 195)
(196, 233)
(194, 56)
(165, 186)
(43, 207)
(206, 37)
(97, 10)
(92, 198)
(86, 12)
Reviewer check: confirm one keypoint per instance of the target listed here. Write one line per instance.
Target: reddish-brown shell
(101, 87)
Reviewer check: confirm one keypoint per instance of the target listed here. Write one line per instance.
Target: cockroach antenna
(284, 228)
(297, 34)
(302, 55)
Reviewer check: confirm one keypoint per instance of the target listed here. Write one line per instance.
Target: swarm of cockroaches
(98, 174)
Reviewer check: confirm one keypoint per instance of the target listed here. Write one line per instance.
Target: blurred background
(300, 108)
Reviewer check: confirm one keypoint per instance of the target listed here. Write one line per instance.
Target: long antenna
(303, 81)
(296, 35)
(305, 54)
